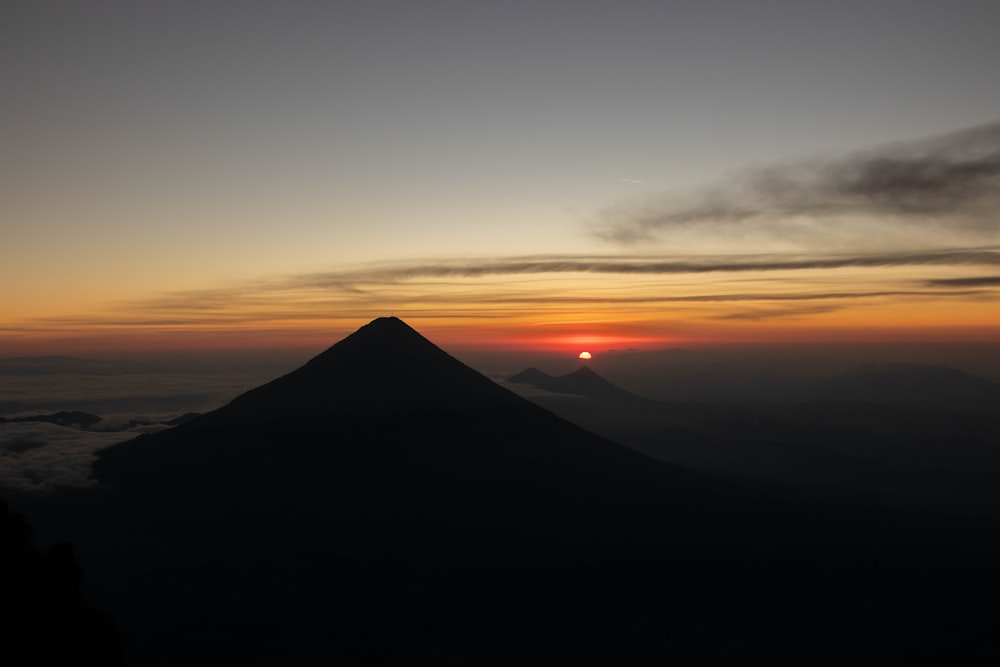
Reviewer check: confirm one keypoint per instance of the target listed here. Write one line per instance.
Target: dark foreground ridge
(386, 504)
(42, 611)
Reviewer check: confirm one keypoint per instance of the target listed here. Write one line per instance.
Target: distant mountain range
(386, 504)
(917, 386)
(869, 432)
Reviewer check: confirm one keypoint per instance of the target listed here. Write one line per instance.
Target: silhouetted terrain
(43, 616)
(910, 375)
(887, 452)
(916, 386)
(386, 504)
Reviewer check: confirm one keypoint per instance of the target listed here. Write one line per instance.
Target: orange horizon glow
(562, 312)
(549, 338)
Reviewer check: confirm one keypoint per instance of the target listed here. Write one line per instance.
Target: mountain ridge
(917, 385)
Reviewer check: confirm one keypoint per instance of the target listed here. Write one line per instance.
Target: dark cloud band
(951, 181)
(641, 265)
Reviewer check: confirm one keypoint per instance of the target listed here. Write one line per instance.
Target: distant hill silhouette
(918, 386)
(881, 449)
(583, 382)
(386, 504)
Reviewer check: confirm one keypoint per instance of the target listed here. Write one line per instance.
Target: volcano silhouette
(388, 439)
(383, 498)
(386, 504)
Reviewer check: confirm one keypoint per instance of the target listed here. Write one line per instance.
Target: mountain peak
(389, 323)
(387, 330)
(385, 366)
(586, 372)
(381, 343)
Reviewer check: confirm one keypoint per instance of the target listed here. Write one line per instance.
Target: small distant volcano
(581, 382)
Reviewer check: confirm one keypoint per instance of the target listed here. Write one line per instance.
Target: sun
(585, 355)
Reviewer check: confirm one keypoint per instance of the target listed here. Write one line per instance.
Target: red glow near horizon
(599, 342)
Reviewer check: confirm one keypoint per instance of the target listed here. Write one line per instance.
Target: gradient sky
(203, 174)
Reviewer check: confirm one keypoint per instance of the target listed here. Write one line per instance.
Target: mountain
(897, 454)
(916, 385)
(582, 382)
(385, 426)
(386, 504)
(382, 500)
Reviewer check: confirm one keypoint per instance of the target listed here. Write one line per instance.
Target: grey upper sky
(161, 145)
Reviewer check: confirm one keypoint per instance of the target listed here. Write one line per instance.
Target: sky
(208, 175)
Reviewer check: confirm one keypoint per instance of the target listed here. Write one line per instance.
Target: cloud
(946, 187)
(37, 457)
(771, 313)
(482, 287)
(975, 281)
(642, 264)
(542, 285)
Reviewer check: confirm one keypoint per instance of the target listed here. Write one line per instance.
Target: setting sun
(585, 355)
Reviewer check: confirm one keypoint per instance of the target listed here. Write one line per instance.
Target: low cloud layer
(36, 457)
(945, 188)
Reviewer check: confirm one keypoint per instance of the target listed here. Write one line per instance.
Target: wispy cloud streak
(975, 281)
(485, 288)
(949, 184)
(640, 265)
